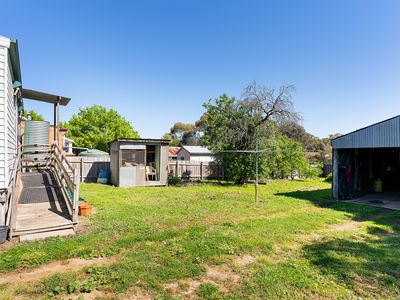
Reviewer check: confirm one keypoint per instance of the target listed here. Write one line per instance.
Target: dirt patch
(244, 260)
(69, 265)
(83, 225)
(132, 294)
(9, 244)
(348, 226)
(221, 276)
(136, 294)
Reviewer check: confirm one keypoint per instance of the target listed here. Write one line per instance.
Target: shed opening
(363, 171)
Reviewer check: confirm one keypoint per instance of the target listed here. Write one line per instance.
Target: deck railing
(50, 156)
(69, 186)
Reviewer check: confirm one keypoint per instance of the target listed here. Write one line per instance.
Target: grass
(170, 235)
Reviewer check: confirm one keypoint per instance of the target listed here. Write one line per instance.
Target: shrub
(312, 172)
(329, 178)
(173, 180)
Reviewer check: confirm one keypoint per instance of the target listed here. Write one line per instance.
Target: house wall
(3, 93)
(185, 155)
(8, 118)
(202, 158)
(11, 125)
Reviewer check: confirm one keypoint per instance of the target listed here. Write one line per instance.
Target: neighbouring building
(195, 153)
(139, 162)
(172, 153)
(367, 160)
(67, 145)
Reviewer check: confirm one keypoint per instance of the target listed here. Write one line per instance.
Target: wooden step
(44, 235)
(42, 229)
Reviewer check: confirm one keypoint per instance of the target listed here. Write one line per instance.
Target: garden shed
(367, 162)
(139, 162)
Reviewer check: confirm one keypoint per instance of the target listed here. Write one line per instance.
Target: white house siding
(11, 125)
(8, 119)
(202, 158)
(184, 155)
(3, 95)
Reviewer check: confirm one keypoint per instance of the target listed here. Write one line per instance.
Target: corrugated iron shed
(385, 134)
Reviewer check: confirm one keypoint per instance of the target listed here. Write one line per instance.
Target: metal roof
(385, 134)
(197, 150)
(141, 141)
(173, 151)
(44, 97)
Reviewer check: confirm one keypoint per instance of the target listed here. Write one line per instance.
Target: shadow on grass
(322, 198)
(366, 265)
(366, 261)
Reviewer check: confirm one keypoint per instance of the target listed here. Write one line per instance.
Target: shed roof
(384, 134)
(197, 150)
(142, 141)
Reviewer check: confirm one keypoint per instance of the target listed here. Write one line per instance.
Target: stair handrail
(63, 169)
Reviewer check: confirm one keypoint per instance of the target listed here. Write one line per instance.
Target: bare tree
(275, 105)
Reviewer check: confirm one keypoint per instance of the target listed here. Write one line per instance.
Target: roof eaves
(15, 62)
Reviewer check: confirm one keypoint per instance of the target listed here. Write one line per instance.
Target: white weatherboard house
(10, 99)
(44, 202)
(195, 153)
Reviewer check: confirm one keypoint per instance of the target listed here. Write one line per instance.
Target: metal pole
(55, 123)
(256, 182)
(58, 123)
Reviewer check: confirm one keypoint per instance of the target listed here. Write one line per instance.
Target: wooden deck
(41, 207)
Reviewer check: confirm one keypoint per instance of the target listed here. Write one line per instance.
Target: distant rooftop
(197, 150)
(173, 151)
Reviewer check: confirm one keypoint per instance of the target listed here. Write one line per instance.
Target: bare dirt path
(73, 264)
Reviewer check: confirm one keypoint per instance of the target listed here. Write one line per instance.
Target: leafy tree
(95, 127)
(231, 124)
(286, 159)
(175, 142)
(33, 115)
(183, 134)
(297, 133)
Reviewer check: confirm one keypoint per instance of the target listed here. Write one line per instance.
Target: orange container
(84, 208)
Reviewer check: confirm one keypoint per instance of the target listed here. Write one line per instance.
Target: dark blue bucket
(3, 233)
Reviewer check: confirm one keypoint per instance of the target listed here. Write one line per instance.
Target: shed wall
(114, 163)
(163, 164)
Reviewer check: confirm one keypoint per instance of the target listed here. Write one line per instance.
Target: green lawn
(214, 242)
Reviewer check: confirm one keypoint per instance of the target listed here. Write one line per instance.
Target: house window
(182, 158)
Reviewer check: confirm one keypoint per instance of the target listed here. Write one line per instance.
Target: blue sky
(157, 62)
